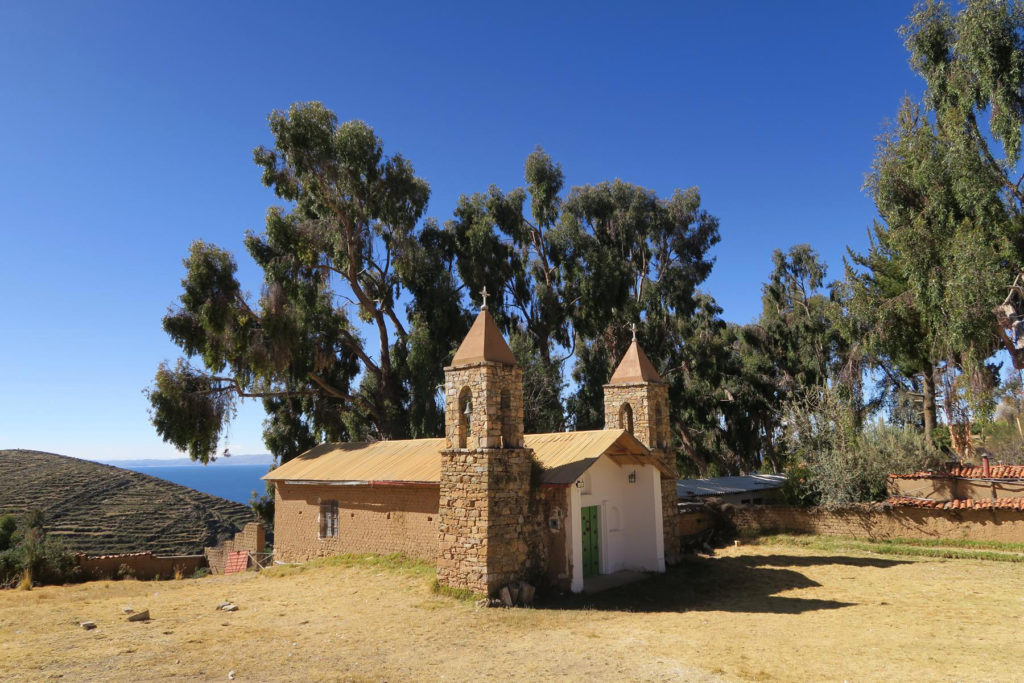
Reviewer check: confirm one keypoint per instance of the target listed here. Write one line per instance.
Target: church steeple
(484, 389)
(485, 470)
(483, 342)
(635, 399)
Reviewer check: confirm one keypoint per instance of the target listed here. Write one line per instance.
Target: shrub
(43, 557)
(8, 525)
(30, 555)
(835, 465)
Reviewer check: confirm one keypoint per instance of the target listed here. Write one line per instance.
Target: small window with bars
(328, 518)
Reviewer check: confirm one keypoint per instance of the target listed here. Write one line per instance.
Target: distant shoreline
(225, 461)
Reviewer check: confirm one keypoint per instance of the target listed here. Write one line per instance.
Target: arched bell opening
(465, 417)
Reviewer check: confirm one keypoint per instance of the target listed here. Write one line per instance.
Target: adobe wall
(877, 523)
(948, 488)
(693, 522)
(252, 538)
(934, 488)
(371, 519)
(139, 565)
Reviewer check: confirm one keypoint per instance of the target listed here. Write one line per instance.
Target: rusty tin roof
(563, 455)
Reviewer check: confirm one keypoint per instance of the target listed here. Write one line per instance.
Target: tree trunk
(929, 402)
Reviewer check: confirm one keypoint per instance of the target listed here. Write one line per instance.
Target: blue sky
(127, 129)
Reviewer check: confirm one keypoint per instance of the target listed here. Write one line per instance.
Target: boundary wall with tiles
(877, 522)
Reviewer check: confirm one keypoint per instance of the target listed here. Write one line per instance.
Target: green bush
(8, 525)
(29, 549)
(834, 464)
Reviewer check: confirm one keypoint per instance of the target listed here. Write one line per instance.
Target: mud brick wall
(371, 519)
(139, 565)
(875, 522)
(693, 522)
(252, 538)
(484, 516)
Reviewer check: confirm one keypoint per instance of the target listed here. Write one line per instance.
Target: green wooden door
(590, 540)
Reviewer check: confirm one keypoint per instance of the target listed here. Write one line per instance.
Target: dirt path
(753, 613)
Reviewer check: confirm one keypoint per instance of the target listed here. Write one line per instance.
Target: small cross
(632, 326)
(483, 295)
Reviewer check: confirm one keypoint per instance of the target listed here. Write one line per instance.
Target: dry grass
(766, 612)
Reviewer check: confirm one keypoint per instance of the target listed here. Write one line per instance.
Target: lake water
(234, 482)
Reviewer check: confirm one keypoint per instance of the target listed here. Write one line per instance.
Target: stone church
(487, 503)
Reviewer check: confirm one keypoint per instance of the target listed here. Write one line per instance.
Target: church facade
(487, 503)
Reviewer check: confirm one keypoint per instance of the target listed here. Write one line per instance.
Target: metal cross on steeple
(483, 295)
(632, 326)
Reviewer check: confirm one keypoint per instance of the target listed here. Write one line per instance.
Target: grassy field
(782, 609)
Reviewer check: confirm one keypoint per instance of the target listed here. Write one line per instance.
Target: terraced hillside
(101, 509)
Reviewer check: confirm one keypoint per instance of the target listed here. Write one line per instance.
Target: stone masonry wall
(877, 523)
(643, 398)
(484, 509)
(649, 404)
(548, 552)
(371, 519)
(486, 381)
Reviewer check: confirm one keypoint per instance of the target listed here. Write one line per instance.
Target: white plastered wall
(629, 519)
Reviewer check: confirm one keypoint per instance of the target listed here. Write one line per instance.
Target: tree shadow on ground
(748, 583)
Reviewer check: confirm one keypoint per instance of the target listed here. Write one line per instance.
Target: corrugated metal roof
(563, 455)
(413, 460)
(719, 486)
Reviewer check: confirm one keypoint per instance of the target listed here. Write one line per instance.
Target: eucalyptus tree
(641, 258)
(336, 261)
(947, 186)
(524, 255)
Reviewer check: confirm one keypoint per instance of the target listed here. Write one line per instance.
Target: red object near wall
(238, 561)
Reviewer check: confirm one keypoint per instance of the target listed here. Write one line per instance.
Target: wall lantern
(579, 483)
(632, 477)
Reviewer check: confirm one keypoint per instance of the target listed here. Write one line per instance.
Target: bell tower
(636, 400)
(485, 469)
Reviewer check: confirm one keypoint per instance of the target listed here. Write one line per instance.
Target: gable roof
(564, 456)
(484, 343)
(634, 367)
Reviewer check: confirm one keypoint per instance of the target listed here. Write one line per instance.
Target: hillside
(99, 509)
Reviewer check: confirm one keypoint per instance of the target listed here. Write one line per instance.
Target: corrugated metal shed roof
(412, 460)
(563, 455)
(720, 486)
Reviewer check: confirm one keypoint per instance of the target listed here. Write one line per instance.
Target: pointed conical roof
(484, 343)
(634, 367)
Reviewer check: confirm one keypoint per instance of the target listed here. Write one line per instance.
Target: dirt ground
(751, 613)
